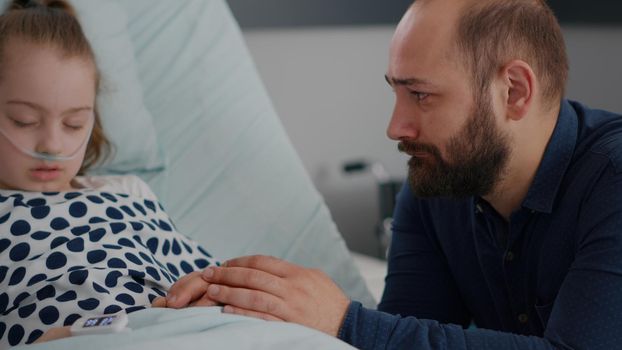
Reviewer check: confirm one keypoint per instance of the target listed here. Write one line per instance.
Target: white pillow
(126, 121)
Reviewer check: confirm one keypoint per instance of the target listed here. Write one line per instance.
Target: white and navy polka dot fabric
(66, 255)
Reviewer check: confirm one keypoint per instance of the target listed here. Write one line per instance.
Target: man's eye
(420, 96)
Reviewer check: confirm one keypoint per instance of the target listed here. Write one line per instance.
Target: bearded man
(508, 233)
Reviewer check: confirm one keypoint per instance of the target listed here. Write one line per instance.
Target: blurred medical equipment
(388, 188)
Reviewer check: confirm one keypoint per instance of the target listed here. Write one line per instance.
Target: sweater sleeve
(371, 329)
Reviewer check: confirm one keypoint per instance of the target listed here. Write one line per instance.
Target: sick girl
(70, 245)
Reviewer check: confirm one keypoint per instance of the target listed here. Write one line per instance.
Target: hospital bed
(184, 105)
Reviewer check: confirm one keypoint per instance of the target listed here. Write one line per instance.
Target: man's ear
(519, 80)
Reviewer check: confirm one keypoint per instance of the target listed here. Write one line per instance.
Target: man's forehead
(423, 50)
(426, 32)
(421, 37)
(436, 14)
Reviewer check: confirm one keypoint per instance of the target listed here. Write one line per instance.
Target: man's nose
(403, 124)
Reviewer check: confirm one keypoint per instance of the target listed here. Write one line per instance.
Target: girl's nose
(50, 141)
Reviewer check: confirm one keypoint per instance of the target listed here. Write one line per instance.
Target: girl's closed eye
(23, 122)
(74, 127)
(79, 121)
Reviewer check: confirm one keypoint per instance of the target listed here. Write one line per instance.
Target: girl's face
(47, 103)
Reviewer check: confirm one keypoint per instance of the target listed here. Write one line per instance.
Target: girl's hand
(188, 291)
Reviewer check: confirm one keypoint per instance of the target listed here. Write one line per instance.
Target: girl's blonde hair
(54, 23)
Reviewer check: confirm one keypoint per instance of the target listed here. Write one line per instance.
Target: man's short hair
(491, 33)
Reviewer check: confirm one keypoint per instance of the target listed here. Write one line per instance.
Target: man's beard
(476, 159)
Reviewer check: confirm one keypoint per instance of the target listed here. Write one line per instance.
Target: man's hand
(188, 291)
(273, 289)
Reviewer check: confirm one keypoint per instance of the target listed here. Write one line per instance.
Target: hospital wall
(328, 88)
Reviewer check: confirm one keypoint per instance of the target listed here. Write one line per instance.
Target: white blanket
(200, 328)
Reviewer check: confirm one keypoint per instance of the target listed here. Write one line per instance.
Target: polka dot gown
(70, 254)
